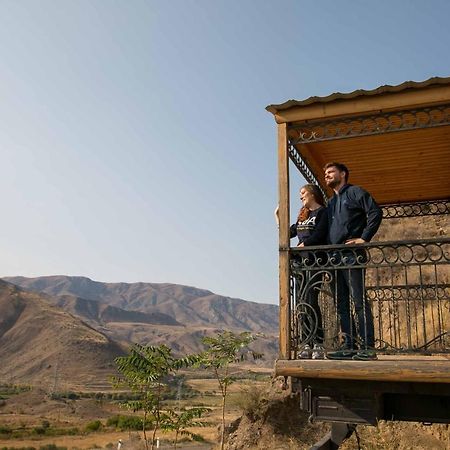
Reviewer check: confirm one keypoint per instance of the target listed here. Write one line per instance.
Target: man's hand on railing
(355, 241)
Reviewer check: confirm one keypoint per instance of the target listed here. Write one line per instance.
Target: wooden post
(284, 241)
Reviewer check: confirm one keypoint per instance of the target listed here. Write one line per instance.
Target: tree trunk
(222, 434)
(176, 440)
(154, 436)
(144, 426)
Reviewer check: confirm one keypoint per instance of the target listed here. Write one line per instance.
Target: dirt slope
(42, 344)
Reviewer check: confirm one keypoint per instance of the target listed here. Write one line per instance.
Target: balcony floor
(407, 368)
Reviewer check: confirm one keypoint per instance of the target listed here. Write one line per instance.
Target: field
(34, 418)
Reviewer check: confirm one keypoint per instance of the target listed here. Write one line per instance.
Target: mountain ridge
(187, 305)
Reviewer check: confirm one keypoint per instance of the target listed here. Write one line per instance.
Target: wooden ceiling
(398, 167)
(395, 167)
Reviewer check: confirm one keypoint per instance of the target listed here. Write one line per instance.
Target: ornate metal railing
(392, 296)
(416, 209)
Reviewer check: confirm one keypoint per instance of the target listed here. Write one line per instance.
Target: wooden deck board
(423, 369)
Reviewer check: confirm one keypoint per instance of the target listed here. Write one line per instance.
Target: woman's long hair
(318, 197)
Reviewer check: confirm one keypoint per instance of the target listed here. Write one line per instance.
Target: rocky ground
(274, 421)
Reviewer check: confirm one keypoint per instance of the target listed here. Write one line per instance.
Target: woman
(311, 228)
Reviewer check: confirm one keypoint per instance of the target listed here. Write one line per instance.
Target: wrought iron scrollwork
(429, 208)
(303, 167)
(307, 323)
(377, 254)
(406, 285)
(366, 125)
(306, 319)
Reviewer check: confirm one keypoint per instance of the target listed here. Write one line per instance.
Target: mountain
(42, 344)
(99, 312)
(189, 306)
(146, 313)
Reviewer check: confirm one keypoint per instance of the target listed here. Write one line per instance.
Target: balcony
(406, 287)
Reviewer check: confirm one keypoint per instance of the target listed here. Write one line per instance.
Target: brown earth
(276, 422)
(102, 313)
(44, 345)
(273, 421)
(36, 405)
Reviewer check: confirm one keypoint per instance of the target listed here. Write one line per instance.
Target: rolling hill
(42, 344)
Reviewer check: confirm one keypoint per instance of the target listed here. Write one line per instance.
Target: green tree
(145, 371)
(180, 421)
(221, 351)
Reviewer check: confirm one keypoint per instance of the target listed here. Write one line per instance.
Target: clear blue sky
(134, 141)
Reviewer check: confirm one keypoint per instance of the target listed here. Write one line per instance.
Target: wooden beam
(284, 241)
(401, 369)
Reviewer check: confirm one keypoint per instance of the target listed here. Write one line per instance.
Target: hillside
(189, 306)
(42, 344)
(101, 313)
(201, 312)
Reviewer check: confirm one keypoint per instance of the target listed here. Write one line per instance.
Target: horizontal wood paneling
(396, 167)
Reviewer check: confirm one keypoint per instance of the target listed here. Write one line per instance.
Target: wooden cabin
(395, 140)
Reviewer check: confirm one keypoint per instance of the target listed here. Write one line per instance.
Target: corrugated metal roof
(360, 92)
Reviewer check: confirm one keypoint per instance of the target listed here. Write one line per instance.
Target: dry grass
(32, 407)
(401, 436)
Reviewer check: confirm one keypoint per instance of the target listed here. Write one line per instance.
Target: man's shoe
(342, 354)
(365, 355)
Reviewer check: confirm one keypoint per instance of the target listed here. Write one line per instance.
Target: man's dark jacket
(352, 213)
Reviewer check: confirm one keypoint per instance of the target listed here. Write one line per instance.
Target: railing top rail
(409, 242)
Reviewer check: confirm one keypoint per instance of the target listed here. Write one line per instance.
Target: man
(354, 218)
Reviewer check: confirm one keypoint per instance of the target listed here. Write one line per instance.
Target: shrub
(253, 401)
(95, 425)
(72, 431)
(63, 395)
(112, 421)
(5, 429)
(51, 447)
(18, 448)
(125, 422)
(72, 396)
(129, 423)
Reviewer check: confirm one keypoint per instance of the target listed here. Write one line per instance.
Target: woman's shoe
(305, 353)
(318, 352)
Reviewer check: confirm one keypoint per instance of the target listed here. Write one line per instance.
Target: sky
(134, 140)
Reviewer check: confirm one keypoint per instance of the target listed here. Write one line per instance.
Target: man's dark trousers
(350, 290)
